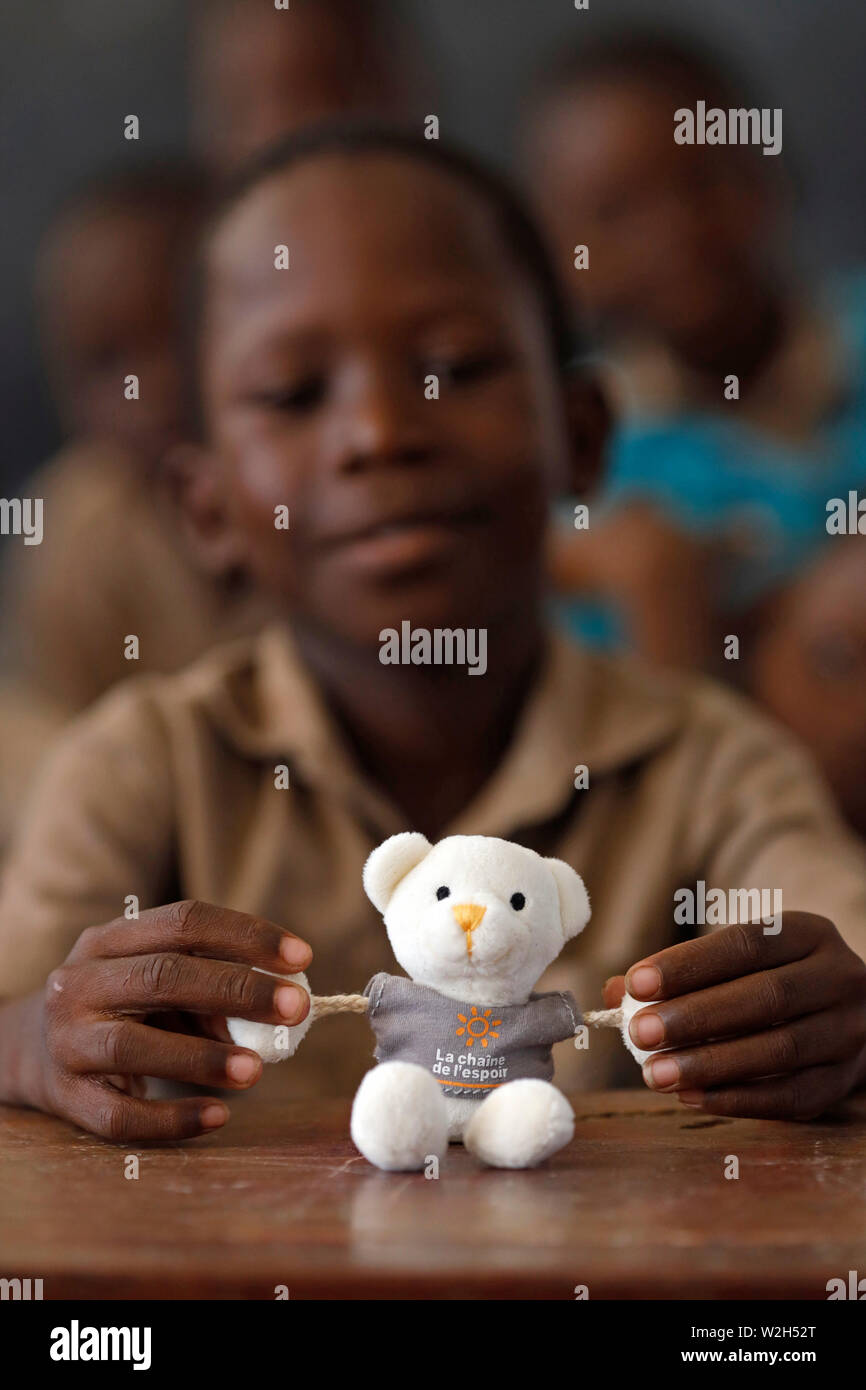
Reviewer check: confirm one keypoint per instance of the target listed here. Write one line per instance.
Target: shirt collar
(585, 709)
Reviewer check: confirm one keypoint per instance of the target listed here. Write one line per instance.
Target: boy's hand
(105, 1014)
(771, 1026)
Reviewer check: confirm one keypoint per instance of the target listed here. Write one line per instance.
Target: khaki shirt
(111, 565)
(167, 789)
(28, 726)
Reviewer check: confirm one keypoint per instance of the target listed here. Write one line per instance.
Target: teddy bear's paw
(629, 1008)
(520, 1125)
(273, 1043)
(399, 1119)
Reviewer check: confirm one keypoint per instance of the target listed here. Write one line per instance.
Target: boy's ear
(589, 420)
(390, 863)
(191, 477)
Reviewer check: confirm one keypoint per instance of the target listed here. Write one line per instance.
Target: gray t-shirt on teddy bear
(470, 1049)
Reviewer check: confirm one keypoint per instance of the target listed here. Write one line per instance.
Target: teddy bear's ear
(390, 862)
(574, 909)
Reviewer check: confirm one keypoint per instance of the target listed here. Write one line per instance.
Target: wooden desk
(637, 1207)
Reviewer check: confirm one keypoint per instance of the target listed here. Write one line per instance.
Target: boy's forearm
(20, 1050)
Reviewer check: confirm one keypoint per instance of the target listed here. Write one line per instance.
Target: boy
(259, 72)
(713, 500)
(410, 268)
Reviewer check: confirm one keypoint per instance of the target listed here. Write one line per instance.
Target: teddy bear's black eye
(443, 892)
(517, 901)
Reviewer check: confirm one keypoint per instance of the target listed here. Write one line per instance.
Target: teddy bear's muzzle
(468, 916)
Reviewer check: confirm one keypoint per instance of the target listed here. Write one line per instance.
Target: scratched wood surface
(637, 1207)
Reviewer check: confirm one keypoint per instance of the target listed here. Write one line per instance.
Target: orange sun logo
(478, 1027)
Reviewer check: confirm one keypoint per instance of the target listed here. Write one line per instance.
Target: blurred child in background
(711, 503)
(112, 564)
(258, 72)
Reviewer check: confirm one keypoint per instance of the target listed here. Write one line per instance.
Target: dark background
(70, 70)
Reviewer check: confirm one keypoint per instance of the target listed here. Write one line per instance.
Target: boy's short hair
(368, 20)
(171, 187)
(129, 188)
(174, 189)
(674, 63)
(520, 234)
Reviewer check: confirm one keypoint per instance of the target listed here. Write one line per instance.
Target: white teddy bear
(463, 1044)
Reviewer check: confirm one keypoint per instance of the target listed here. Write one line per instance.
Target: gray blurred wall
(71, 69)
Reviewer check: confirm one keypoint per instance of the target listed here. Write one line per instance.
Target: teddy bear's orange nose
(467, 916)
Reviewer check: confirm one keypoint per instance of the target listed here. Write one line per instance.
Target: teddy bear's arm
(323, 1004)
(276, 1043)
(621, 1018)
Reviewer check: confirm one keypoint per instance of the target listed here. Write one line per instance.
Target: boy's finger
(746, 1005)
(831, 1036)
(123, 1046)
(197, 928)
(133, 1085)
(192, 1025)
(725, 954)
(164, 982)
(123, 1119)
(613, 991)
(802, 1096)
(215, 1026)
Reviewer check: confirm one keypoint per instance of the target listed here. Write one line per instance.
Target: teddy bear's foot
(398, 1117)
(520, 1125)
